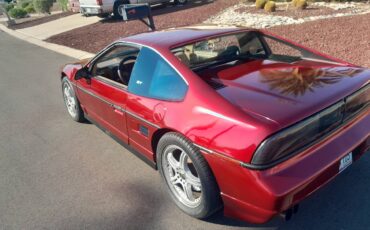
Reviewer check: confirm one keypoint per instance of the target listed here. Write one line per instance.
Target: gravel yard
(289, 11)
(347, 38)
(247, 15)
(96, 36)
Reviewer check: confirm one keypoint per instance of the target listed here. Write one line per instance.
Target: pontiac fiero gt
(233, 118)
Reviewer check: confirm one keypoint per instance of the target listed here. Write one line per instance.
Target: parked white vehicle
(104, 8)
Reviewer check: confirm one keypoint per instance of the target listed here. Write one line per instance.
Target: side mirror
(82, 73)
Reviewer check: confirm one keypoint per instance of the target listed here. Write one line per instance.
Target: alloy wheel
(69, 99)
(181, 176)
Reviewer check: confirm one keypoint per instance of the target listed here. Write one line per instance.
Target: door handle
(119, 112)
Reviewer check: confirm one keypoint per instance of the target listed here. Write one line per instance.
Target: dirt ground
(347, 38)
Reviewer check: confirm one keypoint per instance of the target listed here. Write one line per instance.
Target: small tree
(42, 6)
(63, 4)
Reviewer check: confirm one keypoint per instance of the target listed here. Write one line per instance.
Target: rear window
(220, 48)
(243, 46)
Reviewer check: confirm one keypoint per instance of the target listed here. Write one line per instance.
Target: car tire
(171, 147)
(116, 6)
(181, 2)
(71, 101)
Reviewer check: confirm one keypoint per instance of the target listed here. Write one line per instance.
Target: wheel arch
(62, 75)
(157, 135)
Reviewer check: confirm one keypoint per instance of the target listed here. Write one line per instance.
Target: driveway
(46, 30)
(58, 174)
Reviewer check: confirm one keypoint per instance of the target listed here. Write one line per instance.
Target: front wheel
(71, 102)
(188, 177)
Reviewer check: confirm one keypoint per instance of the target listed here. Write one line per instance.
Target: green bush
(17, 13)
(301, 4)
(9, 6)
(260, 4)
(24, 4)
(270, 6)
(63, 4)
(30, 9)
(42, 6)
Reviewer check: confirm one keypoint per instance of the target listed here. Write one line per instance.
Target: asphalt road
(58, 174)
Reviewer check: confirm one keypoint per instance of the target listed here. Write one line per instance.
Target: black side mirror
(82, 73)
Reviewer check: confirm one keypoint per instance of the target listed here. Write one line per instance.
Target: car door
(104, 95)
(154, 87)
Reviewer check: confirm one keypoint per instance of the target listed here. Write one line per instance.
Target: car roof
(171, 38)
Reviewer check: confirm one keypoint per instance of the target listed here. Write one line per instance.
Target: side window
(153, 77)
(116, 64)
(279, 48)
(286, 52)
(250, 44)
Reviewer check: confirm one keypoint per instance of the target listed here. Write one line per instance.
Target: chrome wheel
(69, 99)
(181, 176)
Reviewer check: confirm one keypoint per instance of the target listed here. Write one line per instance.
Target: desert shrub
(42, 6)
(301, 4)
(9, 6)
(17, 13)
(30, 9)
(63, 4)
(260, 4)
(270, 6)
(24, 4)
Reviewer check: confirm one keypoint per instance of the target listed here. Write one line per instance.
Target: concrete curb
(74, 53)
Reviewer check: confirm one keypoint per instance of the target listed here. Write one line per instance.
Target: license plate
(345, 162)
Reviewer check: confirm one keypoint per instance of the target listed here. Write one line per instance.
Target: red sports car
(232, 118)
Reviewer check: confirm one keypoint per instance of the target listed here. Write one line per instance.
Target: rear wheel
(70, 100)
(116, 8)
(188, 177)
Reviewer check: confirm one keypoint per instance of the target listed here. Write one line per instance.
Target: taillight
(99, 2)
(295, 138)
(357, 102)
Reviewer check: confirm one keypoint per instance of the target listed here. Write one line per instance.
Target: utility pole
(2, 9)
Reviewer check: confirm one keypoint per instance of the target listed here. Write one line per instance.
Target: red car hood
(282, 92)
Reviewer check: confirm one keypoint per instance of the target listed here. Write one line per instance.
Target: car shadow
(344, 203)
(144, 204)
(158, 10)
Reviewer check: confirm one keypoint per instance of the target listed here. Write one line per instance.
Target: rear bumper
(94, 10)
(257, 196)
